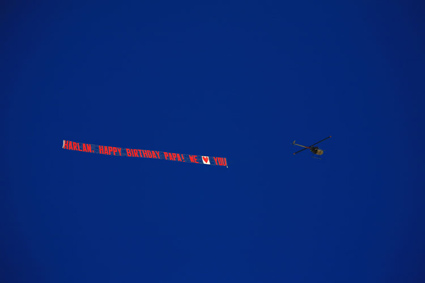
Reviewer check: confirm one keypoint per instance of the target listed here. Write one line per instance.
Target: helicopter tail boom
(300, 145)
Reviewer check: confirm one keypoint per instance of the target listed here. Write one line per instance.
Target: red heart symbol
(205, 158)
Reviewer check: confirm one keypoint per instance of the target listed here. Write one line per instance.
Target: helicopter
(312, 148)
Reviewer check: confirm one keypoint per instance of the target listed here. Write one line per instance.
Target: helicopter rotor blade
(300, 150)
(320, 141)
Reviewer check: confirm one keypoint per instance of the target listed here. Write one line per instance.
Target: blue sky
(235, 79)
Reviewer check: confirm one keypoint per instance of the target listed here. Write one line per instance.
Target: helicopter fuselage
(316, 150)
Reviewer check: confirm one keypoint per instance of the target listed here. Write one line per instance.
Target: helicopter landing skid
(316, 157)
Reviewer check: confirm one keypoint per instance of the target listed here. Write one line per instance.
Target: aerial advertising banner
(142, 153)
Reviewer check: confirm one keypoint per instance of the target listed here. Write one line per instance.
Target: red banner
(143, 153)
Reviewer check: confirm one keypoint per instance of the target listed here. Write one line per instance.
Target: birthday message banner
(142, 153)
